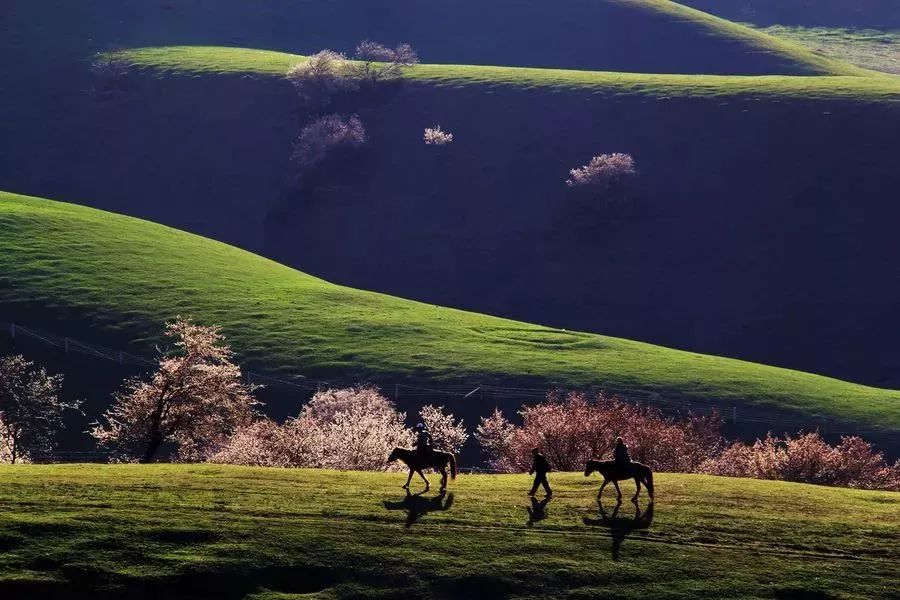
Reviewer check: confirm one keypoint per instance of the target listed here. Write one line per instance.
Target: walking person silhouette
(539, 468)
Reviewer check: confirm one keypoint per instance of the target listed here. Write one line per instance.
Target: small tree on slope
(31, 412)
(195, 399)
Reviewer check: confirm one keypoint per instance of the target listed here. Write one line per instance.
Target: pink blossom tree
(323, 136)
(376, 62)
(447, 433)
(31, 411)
(321, 77)
(195, 400)
(603, 171)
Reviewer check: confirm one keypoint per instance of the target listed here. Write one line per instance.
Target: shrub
(325, 135)
(323, 75)
(807, 458)
(604, 171)
(434, 136)
(571, 429)
(31, 412)
(376, 62)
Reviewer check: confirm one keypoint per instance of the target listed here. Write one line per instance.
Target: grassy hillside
(168, 531)
(809, 13)
(100, 275)
(651, 36)
(847, 83)
(877, 49)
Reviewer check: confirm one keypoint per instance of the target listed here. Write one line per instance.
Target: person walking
(539, 468)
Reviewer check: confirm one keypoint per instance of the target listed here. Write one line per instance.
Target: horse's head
(394, 455)
(589, 467)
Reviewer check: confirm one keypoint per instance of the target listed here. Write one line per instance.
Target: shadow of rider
(416, 505)
(620, 527)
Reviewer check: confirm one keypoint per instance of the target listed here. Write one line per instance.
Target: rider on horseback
(423, 439)
(620, 455)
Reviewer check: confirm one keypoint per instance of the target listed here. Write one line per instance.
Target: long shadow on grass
(416, 505)
(620, 527)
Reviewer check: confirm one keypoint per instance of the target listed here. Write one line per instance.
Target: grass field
(868, 48)
(179, 531)
(845, 83)
(102, 275)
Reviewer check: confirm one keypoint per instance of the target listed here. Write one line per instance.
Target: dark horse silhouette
(615, 473)
(417, 461)
(416, 506)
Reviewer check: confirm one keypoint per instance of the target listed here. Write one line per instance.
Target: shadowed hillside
(653, 36)
(809, 13)
(114, 279)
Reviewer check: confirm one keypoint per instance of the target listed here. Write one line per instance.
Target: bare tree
(195, 399)
(31, 412)
(376, 62)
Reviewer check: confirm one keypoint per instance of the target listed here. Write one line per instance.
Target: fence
(455, 396)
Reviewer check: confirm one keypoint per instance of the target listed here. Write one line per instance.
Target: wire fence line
(453, 395)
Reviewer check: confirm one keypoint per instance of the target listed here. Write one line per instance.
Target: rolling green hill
(178, 531)
(101, 275)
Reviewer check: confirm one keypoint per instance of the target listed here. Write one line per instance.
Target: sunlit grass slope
(108, 277)
(867, 86)
(166, 531)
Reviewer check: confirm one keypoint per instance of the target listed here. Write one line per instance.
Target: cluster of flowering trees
(808, 458)
(572, 428)
(435, 136)
(350, 428)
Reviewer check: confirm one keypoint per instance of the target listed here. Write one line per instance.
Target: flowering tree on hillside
(376, 62)
(323, 76)
(31, 412)
(194, 400)
(325, 135)
(603, 171)
(435, 136)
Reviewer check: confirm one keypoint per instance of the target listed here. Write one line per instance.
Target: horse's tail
(649, 482)
(453, 466)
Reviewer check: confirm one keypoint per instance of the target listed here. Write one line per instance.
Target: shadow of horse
(620, 527)
(416, 505)
(538, 510)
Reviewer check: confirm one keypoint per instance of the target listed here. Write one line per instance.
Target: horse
(432, 459)
(612, 472)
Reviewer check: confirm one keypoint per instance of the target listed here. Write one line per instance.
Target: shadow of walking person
(620, 527)
(538, 510)
(417, 505)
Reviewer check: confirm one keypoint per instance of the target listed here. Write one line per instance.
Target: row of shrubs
(197, 407)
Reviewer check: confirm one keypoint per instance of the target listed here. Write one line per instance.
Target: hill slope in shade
(218, 532)
(746, 240)
(808, 13)
(104, 275)
(653, 36)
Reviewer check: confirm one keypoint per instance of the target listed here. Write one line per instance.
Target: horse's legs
(408, 479)
(443, 478)
(618, 491)
(602, 485)
(422, 475)
(637, 492)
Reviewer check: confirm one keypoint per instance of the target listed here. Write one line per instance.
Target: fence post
(12, 330)
(121, 358)
(67, 345)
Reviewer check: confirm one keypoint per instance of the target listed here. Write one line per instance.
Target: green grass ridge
(121, 277)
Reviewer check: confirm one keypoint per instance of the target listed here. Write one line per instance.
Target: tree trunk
(155, 442)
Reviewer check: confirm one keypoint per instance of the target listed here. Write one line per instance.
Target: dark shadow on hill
(78, 582)
(621, 527)
(416, 505)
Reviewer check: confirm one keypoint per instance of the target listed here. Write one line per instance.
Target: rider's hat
(420, 426)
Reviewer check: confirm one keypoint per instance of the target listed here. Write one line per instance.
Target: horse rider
(621, 456)
(423, 439)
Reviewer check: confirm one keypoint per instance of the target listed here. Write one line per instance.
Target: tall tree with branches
(194, 400)
(31, 411)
